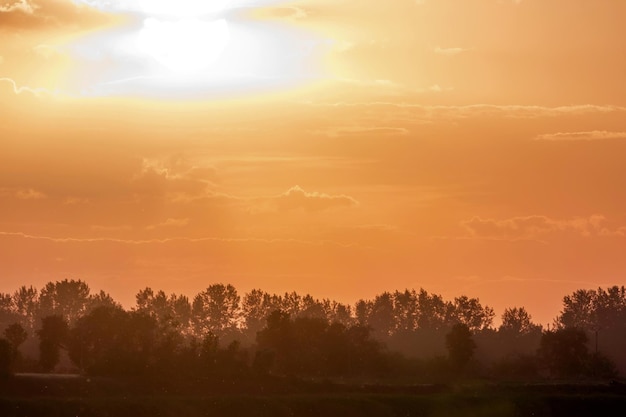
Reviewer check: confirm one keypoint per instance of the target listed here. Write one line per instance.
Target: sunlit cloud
(20, 89)
(533, 227)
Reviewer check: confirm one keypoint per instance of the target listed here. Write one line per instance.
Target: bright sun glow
(181, 8)
(189, 47)
(162, 8)
(184, 46)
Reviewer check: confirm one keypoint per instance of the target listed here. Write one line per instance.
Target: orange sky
(341, 148)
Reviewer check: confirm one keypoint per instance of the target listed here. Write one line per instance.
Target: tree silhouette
(433, 312)
(337, 312)
(517, 321)
(216, 310)
(52, 336)
(16, 335)
(111, 341)
(381, 315)
(6, 358)
(170, 312)
(101, 299)
(565, 352)
(68, 299)
(7, 312)
(26, 305)
(406, 310)
(460, 345)
(470, 312)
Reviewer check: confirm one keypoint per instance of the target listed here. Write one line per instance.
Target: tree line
(220, 334)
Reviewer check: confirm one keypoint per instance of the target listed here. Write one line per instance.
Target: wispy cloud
(535, 226)
(582, 136)
(171, 222)
(65, 240)
(21, 89)
(338, 131)
(297, 198)
(448, 51)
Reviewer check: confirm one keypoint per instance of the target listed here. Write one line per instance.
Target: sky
(340, 148)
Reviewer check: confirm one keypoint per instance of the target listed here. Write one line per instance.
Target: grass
(34, 397)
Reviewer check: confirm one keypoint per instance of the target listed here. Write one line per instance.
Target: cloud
(431, 112)
(296, 198)
(36, 14)
(20, 89)
(171, 222)
(533, 227)
(176, 177)
(582, 136)
(30, 194)
(22, 193)
(10, 6)
(169, 240)
(358, 130)
(448, 51)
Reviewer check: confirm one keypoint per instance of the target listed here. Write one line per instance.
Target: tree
(337, 312)
(565, 352)
(101, 299)
(68, 299)
(362, 310)
(291, 303)
(256, 307)
(517, 321)
(312, 308)
(470, 312)
(405, 310)
(382, 316)
(26, 304)
(433, 312)
(578, 311)
(216, 310)
(173, 312)
(6, 358)
(111, 341)
(16, 335)
(52, 337)
(7, 311)
(460, 345)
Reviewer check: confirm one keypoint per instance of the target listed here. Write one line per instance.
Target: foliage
(220, 333)
(594, 310)
(460, 345)
(52, 336)
(565, 352)
(6, 358)
(67, 299)
(517, 321)
(16, 335)
(312, 346)
(216, 310)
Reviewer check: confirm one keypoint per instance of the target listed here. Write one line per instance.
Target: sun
(185, 46)
(190, 48)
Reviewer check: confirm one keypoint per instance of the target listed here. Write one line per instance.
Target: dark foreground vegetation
(66, 351)
(277, 397)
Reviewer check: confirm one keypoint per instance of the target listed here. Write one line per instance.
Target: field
(35, 395)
